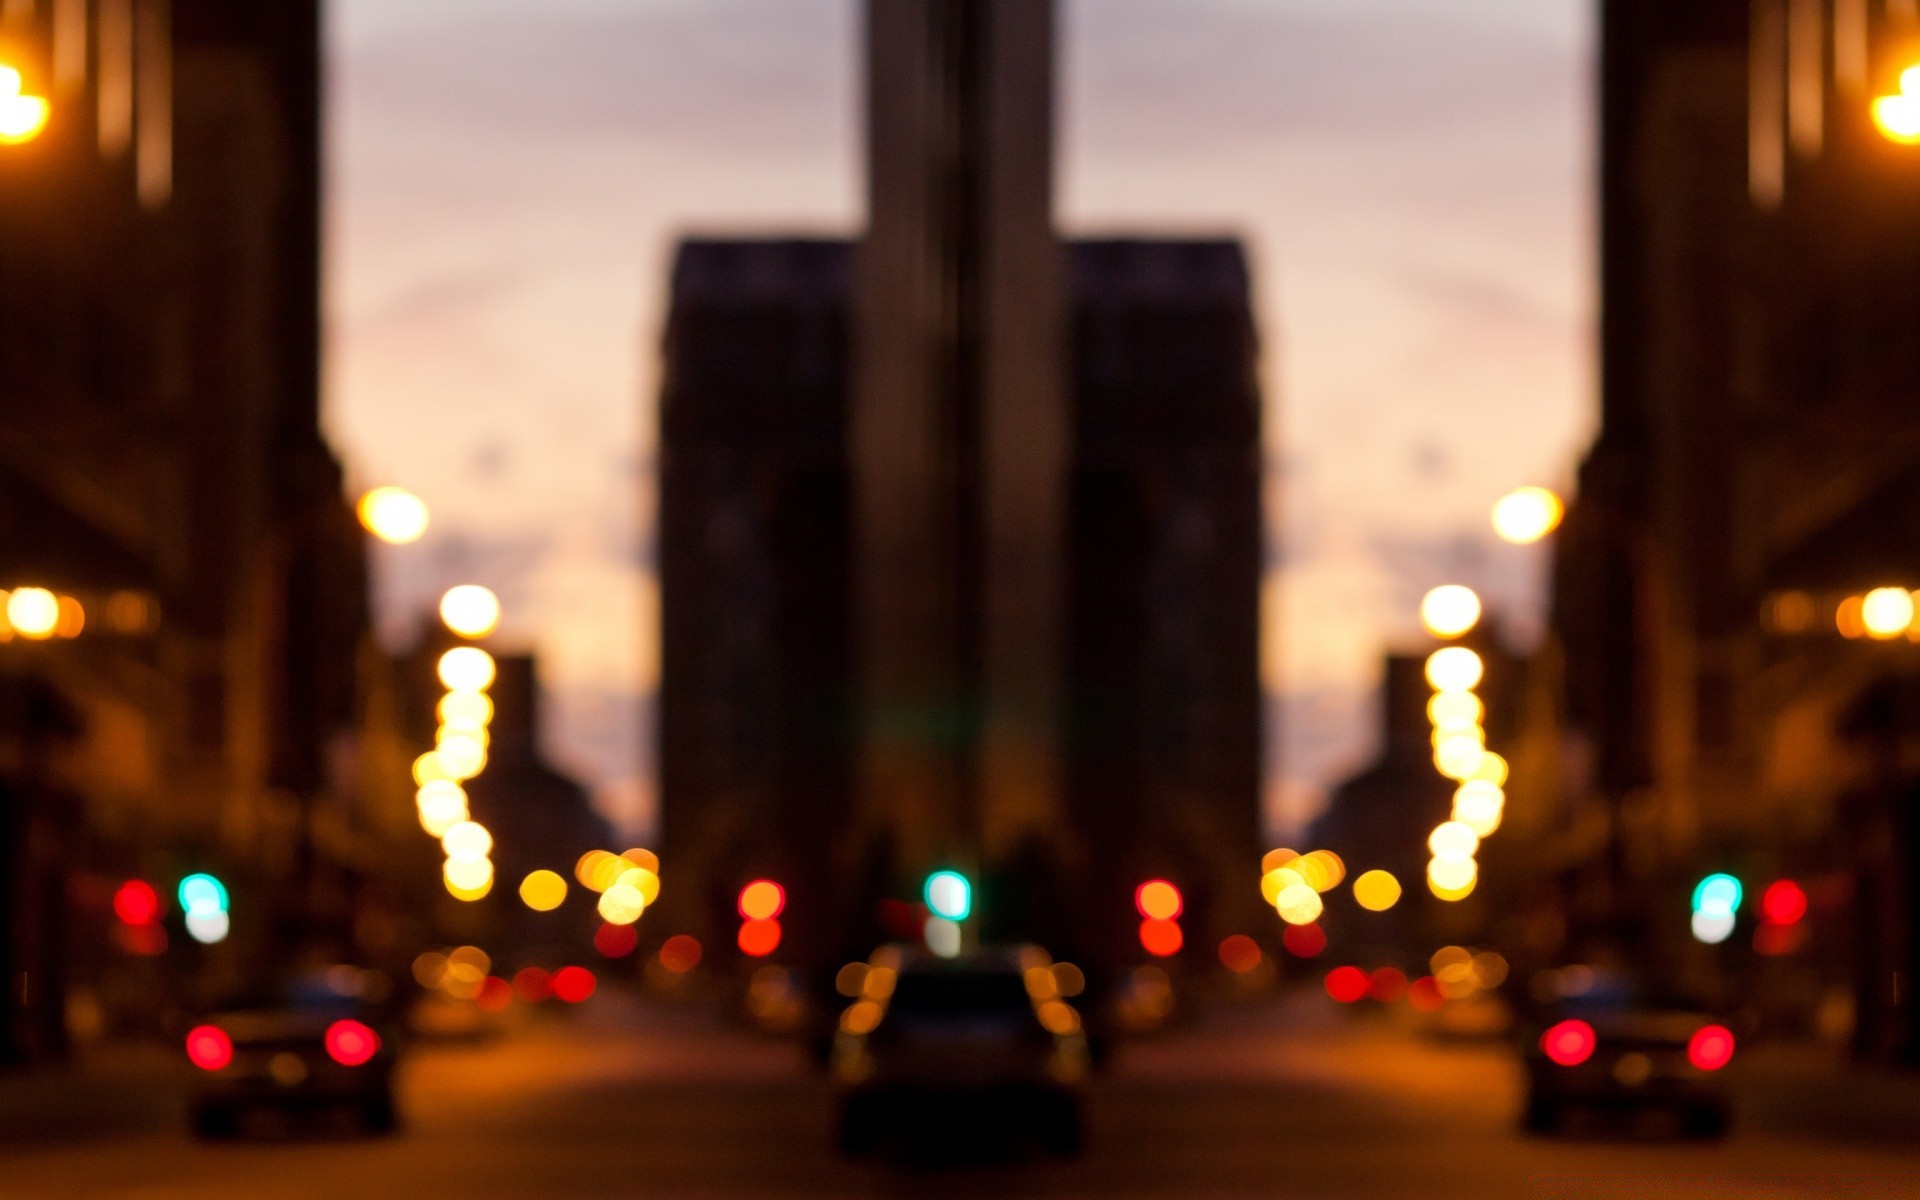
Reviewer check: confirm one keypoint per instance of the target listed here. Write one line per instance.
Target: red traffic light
(759, 938)
(136, 903)
(1162, 939)
(1569, 1043)
(1784, 902)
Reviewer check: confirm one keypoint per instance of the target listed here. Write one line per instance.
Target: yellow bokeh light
(1886, 612)
(1450, 610)
(1455, 669)
(641, 880)
(1279, 880)
(587, 870)
(1897, 117)
(1322, 871)
(394, 515)
(1275, 859)
(543, 891)
(34, 612)
(1299, 904)
(645, 859)
(442, 804)
(1492, 769)
(470, 610)
(461, 755)
(1526, 515)
(468, 841)
(467, 669)
(851, 979)
(1458, 755)
(1453, 841)
(879, 982)
(1376, 891)
(1059, 1018)
(465, 710)
(468, 879)
(1450, 962)
(621, 904)
(1452, 879)
(22, 117)
(1479, 805)
(1455, 710)
(428, 767)
(861, 1018)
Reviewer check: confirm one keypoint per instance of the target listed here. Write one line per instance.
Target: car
(293, 1059)
(960, 1053)
(1621, 1060)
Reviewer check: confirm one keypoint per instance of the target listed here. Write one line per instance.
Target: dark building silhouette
(161, 463)
(758, 739)
(1754, 469)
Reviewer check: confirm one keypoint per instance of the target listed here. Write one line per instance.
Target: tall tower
(960, 444)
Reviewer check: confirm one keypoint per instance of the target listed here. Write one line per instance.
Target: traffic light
(949, 897)
(1783, 908)
(137, 906)
(204, 899)
(1160, 905)
(1715, 901)
(760, 905)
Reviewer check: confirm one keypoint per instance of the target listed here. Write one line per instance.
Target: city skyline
(1409, 175)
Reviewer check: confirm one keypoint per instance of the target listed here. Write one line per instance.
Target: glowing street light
(1455, 669)
(1450, 610)
(1898, 116)
(394, 515)
(33, 612)
(22, 117)
(1887, 612)
(470, 610)
(1526, 515)
(467, 669)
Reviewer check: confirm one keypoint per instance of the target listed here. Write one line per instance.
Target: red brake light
(209, 1047)
(573, 984)
(1711, 1047)
(1569, 1043)
(351, 1044)
(136, 903)
(1348, 985)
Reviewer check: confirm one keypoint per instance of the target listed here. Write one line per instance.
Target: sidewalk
(112, 1090)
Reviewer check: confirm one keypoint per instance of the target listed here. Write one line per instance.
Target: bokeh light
(442, 804)
(1240, 954)
(1711, 1047)
(759, 938)
(468, 880)
(351, 1043)
(615, 941)
(1452, 879)
(1455, 710)
(1299, 904)
(1158, 900)
(136, 902)
(468, 841)
(762, 900)
(1712, 927)
(34, 612)
(1304, 941)
(1455, 669)
(573, 985)
(1279, 880)
(543, 890)
(394, 515)
(461, 755)
(1348, 985)
(471, 710)
(949, 894)
(209, 1047)
(1387, 985)
(680, 953)
(1569, 1043)
(1425, 995)
(1458, 755)
(1886, 612)
(1376, 891)
(1491, 769)
(1275, 859)
(1453, 840)
(1525, 515)
(1450, 610)
(23, 116)
(1479, 806)
(1162, 939)
(621, 904)
(1784, 902)
(470, 610)
(467, 669)
(532, 985)
(641, 880)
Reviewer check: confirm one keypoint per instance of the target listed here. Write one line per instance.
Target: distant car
(1623, 1060)
(300, 1060)
(958, 1053)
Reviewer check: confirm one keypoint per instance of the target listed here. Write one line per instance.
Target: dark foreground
(629, 1102)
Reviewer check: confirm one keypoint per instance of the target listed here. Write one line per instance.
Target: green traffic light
(203, 894)
(949, 895)
(1718, 895)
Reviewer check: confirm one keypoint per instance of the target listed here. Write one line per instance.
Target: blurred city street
(1251, 1102)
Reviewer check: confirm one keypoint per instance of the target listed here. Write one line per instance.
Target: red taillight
(573, 984)
(1711, 1047)
(209, 1047)
(1569, 1043)
(351, 1044)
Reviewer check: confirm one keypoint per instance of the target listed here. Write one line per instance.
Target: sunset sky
(509, 177)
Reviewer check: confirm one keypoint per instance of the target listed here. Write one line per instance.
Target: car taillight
(1569, 1043)
(209, 1047)
(351, 1044)
(1711, 1047)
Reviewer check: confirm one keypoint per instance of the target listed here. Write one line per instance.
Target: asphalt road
(633, 1102)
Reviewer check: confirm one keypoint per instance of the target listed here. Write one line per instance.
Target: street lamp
(23, 117)
(1898, 116)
